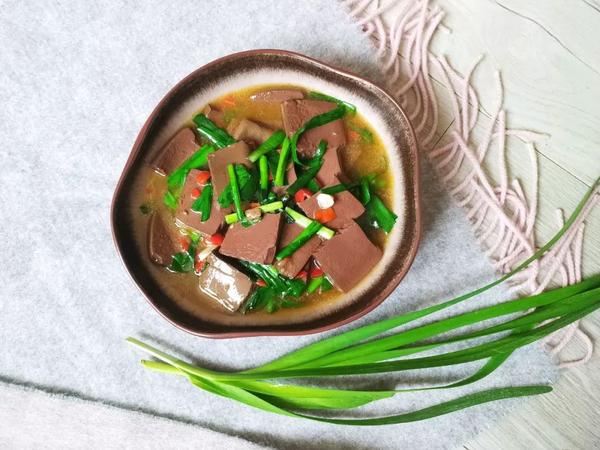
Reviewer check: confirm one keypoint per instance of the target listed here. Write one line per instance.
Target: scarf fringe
(502, 216)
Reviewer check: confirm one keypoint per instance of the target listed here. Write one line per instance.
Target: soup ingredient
(274, 141)
(269, 207)
(308, 122)
(283, 287)
(325, 215)
(177, 150)
(217, 163)
(187, 215)
(257, 243)
(365, 134)
(302, 195)
(282, 163)
(325, 200)
(331, 169)
(145, 209)
(248, 183)
(224, 283)
(207, 129)
(346, 208)
(304, 222)
(293, 264)
(202, 177)
(162, 242)
(263, 171)
(305, 235)
(350, 108)
(215, 115)
(380, 215)
(345, 269)
(277, 95)
(203, 204)
(248, 130)
(234, 188)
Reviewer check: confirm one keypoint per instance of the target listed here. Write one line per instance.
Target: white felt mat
(77, 80)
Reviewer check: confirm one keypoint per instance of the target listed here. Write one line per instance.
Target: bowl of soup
(269, 194)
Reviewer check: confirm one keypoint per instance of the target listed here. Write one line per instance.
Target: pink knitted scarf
(502, 216)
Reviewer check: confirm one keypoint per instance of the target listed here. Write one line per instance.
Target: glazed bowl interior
(262, 67)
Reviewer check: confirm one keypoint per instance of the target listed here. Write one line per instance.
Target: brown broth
(361, 156)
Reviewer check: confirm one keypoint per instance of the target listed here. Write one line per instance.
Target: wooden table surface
(549, 54)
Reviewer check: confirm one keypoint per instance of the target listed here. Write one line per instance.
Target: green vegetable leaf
(203, 204)
(248, 181)
(209, 130)
(182, 262)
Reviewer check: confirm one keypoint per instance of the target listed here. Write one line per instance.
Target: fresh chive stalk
(267, 208)
(235, 193)
(305, 222)
(553, 310)
(270, 144)
(304, 236)
(209, 130)
(279, 179)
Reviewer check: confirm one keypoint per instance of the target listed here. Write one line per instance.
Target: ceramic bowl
(258, 67)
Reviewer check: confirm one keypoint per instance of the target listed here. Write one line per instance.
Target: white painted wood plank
(547, 87)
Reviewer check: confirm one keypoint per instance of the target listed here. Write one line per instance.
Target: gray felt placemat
(77, 81)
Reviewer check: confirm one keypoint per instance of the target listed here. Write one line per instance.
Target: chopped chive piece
(248, 181)
(176, 179)
(314, 284)
(182, 262)
(269, 207)
(380, 215)
(145, 209)
(316, 121)
(365, 191)
(282, 163)
(209, 130)
(305, 222)
(263, 169)
(235, 193)
(350, 108)
(337, 188)
(170, 200)
(313, 185)
(203, 204)
(304, 236)
(270, 144)
(314, 165)
(364, 133)
(281, 286)
(326, 285)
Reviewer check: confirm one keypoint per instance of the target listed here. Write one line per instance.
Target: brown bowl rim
(377, 300)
